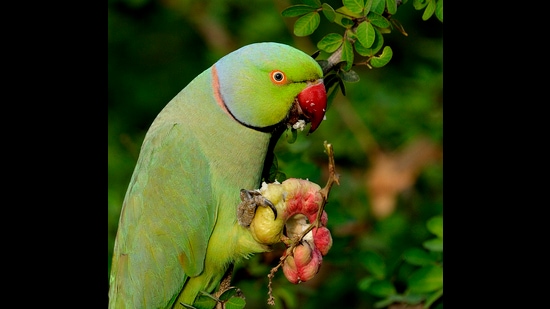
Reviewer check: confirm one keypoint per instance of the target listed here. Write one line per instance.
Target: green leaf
(350, 76)
(432, 298)
(365, 34)
(426, 279)
(330, 42)
(329, 12)
(235, 303)
(339, 19)
(365, 283)
(347, 55)
(385, 30)
(368, 5)
(297, 10)
(280, 177)
(392, 6)
(378, 20)
(376, 45)
(429, 11)
(287, 296)
(306, 24)
(227, 294)
(346, 11)
(384, 302)
(375, 265)
(435, 244)
(356, 6)
(346, 22)
(381, 288)
(439, 10)
(378, 6)
(293, 135)
(316, 3)
(274, 171)
(350, 35)
(435, 225)
(419, 257)
(420, 4)
(205, 302)
(383, 59)
(409, 299)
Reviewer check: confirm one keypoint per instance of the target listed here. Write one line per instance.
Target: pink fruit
(290, 270)
(322, 239)
(302, 197)
(303, 264)
(302, 254)
(309, 270)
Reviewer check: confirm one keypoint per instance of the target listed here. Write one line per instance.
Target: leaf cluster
(364, 24)
(430, 7)
(424, 284)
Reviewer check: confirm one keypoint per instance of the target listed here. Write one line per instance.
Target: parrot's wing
(166, 220)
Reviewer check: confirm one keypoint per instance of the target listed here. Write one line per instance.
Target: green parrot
(178, 230)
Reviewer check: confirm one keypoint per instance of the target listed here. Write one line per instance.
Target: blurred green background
(387, 133)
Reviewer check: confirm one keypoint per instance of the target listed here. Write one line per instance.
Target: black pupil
(278, 77)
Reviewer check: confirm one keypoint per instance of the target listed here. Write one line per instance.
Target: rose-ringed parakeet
(178, 229)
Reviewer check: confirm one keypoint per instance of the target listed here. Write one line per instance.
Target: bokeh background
(387, 132)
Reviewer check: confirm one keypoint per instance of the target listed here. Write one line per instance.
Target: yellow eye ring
(278, 77)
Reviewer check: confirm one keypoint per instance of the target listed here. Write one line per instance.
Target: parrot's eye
(278, 77)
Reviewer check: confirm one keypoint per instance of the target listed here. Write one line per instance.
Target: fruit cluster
(297, 202)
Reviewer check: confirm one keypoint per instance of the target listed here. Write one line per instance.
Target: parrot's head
(266, 85)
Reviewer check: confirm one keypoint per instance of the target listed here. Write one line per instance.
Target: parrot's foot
(246, 210)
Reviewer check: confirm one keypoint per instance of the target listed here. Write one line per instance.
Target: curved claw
(250, 200)
(268, 202)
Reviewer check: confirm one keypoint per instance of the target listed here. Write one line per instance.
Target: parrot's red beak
(313, 102)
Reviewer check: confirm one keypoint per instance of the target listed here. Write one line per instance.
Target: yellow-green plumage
(178, 229)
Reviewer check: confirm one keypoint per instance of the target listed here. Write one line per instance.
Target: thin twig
(271, 299)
